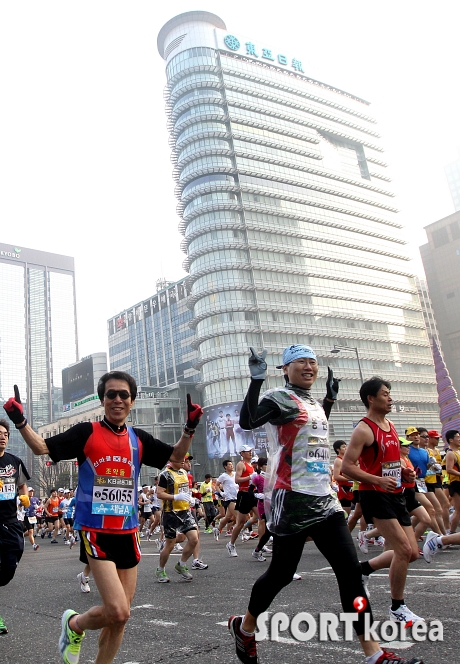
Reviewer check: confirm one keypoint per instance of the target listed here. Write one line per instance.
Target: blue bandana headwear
(295, 352)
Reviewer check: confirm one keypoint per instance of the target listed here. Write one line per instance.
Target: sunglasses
(112, 394)
(423, 436)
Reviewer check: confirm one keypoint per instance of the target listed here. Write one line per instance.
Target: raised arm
(194, 412)
(15, 412)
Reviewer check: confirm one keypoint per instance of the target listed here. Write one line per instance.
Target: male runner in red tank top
(375, 444)
(245, 501)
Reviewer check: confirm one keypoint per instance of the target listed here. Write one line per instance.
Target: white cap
(66, 490)
(246, 448)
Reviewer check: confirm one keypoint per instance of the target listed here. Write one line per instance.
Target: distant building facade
(441, 260)
(38, 331)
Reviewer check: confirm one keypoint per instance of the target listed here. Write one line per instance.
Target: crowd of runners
(401, 493)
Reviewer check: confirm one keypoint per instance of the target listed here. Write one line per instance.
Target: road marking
(162, 623)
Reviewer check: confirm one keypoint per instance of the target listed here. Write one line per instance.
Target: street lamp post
(337, 349)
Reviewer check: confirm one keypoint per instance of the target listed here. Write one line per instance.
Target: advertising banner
(78, 381)
(224, 436)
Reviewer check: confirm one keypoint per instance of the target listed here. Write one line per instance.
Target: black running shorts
(382, 505)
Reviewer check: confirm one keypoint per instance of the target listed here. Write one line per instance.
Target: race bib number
(113, 496)
(392, 469)
(318, 456)
(8, 492)
(421, 486)
(32, 519)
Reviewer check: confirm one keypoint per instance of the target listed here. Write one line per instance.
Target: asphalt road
(186, 622)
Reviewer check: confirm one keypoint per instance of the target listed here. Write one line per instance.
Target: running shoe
(49, 535)
(199, 564)
(246, 648)
(388, 657)
(183, 571)
(178, 547)
(244, 537)
(379, 541)
(430, 548)
(253, 535)
(54, 541)
(161, 575)
(365, 580)
(404, 615)
(84, 582)
(42, 535)
(266, 549)
(208, 530)
(363, 542)
(69, 641)
(297, 577)
(36, 547)
(231, 548)
(161, 545)
(71, 541)
(258, 556)
(216, 533)
(3, 627)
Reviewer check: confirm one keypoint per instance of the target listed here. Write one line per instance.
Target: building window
(440, 237)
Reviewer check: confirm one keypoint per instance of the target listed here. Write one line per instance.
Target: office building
(453, 178)
(289, 221)
(38, 330)
(441, 260)
(152, 340)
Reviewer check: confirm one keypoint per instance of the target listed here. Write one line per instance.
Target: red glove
(194, 412)
(14, 409)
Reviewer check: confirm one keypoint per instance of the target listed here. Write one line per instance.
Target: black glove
(14, 409)
(194, 412)
(257, 364)
(332, 385)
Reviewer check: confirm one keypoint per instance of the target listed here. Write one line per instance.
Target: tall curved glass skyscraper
(288, 216)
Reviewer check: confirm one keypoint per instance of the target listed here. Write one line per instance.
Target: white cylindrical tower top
(191, 18)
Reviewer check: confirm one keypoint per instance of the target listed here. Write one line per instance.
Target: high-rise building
(289, 221)
(453, 178)
(152, 340)
(441, 260)
(38, 330)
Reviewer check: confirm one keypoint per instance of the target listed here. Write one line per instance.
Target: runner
(453, 474)
(375, 443)
(13, 481)
(301, 503)
(110, 455)
(30, 519)
(173, 490)
(228, 486)
(52, 515)
(245, 500)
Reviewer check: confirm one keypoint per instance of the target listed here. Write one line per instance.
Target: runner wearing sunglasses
(109, 456)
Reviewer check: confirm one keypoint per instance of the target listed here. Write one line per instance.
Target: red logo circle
(360, 603)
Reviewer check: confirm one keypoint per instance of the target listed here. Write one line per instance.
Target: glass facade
(152, 341)
(38, 334)
(290, 226)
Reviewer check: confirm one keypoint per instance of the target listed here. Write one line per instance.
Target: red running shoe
(246, 649)
(388, 657)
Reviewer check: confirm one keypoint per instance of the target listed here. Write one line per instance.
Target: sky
(85, 165)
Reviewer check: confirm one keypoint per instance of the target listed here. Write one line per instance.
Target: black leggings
(334, 541)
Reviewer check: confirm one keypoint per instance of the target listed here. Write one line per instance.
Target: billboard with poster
(78, 381)
(224, 436)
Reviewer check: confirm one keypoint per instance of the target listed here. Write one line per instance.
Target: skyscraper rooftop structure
(289, 220)
(38, 330)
